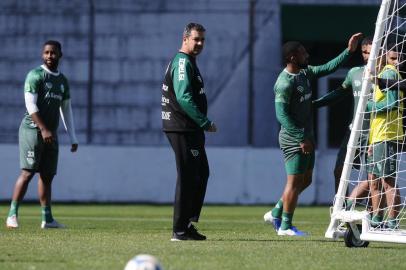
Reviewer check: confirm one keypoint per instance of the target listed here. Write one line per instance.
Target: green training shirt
(51, 88)
(293, 99)
(184, 102)
(353, 81)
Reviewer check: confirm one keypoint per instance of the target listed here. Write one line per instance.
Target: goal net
(372, 187)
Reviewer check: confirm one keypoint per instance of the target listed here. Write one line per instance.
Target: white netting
(374, 181)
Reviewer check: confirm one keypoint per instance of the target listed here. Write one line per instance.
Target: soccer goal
(375, 163)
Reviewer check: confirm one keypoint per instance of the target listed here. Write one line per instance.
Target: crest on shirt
(62, 88)
(357, 83)
(195, 152)
(48, 85)
(300, 89)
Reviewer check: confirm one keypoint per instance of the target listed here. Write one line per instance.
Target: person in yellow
(385, 139)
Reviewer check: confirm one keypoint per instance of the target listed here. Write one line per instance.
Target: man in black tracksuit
(184, 117)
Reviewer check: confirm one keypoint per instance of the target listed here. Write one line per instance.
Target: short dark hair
(367, 40)
(391, 47)
(193, 26)
(55, 43)
(289, 49)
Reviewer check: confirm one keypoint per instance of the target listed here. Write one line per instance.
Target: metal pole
(251, 47)
(89, 114)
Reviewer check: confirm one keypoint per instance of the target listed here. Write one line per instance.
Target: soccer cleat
(12, 222)
(292, 231)
(52, 225)
(275, 222)
(391, 224)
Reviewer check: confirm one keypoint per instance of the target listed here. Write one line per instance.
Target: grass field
(107, 236)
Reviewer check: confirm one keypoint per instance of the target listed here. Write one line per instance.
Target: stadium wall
(115, 56)
(148, 174)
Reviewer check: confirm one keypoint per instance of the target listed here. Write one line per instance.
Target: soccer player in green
(47, 97)
(351, 86)
(294, 112)
(385, 138)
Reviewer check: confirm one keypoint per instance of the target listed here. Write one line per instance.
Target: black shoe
(190, 234)
(192, 231)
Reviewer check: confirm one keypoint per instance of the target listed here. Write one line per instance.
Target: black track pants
(193, 172)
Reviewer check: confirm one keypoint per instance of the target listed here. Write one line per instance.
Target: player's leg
(377, 158)
(20, 189)
(299, 170)
(47, 171)
(290, 196)
(375, 187)
(360, 192)
(30, 149)
(393, 201)
(337, 175)
(198, 191)
(338, 168)
(202, 175)
(392, 193)
(186, 170)
(308, 159)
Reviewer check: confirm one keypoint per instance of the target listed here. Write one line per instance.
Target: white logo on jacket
(164, 101)
(182, 69)
(166, 115)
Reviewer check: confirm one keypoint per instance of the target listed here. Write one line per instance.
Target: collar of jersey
(44, 67)
(293, 74)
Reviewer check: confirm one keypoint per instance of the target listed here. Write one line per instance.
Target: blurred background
(115, 56)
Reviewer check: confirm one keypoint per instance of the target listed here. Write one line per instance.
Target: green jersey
(51, 89)
(293, 100)
(353, 81)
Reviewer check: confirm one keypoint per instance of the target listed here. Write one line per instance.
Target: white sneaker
(52, 225)
(275, 222)
(12, 222)
(292, 231)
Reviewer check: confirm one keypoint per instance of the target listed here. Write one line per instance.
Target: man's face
(51, 56)
(392, 58)
(194, 43)
(301, 58)
(366, 50)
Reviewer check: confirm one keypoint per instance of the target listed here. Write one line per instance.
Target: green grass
(107, 236)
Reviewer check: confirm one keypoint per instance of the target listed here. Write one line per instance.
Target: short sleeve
(32, 82)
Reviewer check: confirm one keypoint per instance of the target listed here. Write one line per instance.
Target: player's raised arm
(334, 64)
(353, 42)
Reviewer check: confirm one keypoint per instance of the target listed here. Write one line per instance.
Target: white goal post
(389, 29)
